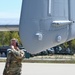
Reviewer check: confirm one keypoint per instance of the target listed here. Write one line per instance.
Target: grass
(49, 59)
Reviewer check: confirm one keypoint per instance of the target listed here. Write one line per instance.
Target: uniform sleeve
(9, 56)
(18, 54)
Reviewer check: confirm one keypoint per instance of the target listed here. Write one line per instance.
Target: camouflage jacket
(13, 62)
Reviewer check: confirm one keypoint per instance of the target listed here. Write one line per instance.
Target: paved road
(45, 69)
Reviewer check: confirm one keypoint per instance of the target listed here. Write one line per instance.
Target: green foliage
(70, 44)
(5, 37)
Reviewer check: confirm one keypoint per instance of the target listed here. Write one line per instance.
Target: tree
(5, 37)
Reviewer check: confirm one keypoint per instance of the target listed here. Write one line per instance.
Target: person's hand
(22, 53)
(12, 46)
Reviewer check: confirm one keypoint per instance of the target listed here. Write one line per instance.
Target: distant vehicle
(56, 49)
(3, 50)
(44, 52)
(50, 51)
(59, 50)
(68, 51)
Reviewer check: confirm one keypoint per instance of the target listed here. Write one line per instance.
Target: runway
(44, 69)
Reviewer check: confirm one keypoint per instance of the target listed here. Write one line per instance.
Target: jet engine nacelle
(46, 23)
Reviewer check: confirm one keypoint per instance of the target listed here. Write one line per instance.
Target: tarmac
(44, 69)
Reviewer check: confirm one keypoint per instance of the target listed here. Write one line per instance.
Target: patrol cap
(14, 39)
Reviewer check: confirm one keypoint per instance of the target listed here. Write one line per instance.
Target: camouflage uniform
(14, 60)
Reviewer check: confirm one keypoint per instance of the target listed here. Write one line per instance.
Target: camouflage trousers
(15, 71)
(12, 74)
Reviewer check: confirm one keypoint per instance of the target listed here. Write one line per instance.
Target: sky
(10, 8)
